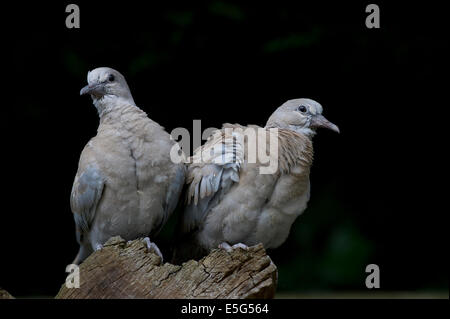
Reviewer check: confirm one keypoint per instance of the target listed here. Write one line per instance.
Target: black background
(220, 61)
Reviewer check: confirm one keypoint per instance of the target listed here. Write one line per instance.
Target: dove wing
(172, 196)
(86, 193)
(214, 169)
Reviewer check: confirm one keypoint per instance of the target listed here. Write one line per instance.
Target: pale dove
(229, 200)
(126, 183)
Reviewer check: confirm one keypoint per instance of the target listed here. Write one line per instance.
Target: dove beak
(93, 89)
(320, 121)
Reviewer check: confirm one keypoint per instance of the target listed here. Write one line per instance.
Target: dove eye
(111, 78)
(302, 108)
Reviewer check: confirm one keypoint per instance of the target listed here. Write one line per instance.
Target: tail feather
(187, 248)
(83, 253)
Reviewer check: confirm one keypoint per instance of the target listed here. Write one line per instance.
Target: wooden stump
(5, 295)
(129, 270)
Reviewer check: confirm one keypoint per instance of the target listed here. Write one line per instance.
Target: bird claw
(225, 246)
(229, 248)
(240, 245)
(154, 248)
(98, 247)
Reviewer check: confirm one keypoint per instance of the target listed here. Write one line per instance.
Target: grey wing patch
(208, 182)
(172, 196)
(174, 191)
(86, 193)
(207, 193)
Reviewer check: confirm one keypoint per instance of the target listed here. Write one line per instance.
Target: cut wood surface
(129, 270)
(5, 295)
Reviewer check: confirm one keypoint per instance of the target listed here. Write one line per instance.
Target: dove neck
(305, 131)
(108, 103)
(296, 149)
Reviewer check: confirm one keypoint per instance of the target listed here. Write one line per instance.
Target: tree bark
(5, 295)
(129, 270)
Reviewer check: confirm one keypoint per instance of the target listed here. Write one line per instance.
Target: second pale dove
(126, 183)
(230, 202)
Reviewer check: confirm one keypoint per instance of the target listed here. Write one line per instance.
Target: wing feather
(86, 193)
(213, 170)
(172, 197)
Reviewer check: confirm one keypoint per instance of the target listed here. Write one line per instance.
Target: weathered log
(5, 295)
(129, 270)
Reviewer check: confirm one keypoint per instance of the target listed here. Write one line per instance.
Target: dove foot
(229, 248)
(98, 247)
(225, 246)
(153, 247)
(240, 245)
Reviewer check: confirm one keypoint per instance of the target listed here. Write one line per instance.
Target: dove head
(106, 86)
(301, 115)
